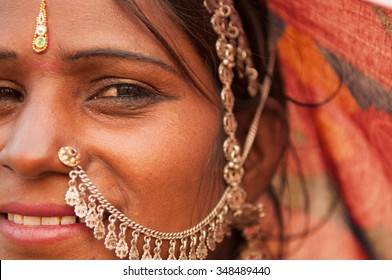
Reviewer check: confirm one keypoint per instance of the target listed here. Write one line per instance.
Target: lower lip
(39, 234)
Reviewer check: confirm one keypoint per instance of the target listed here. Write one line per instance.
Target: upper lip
(37, 209)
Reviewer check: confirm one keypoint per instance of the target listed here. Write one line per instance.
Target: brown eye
(123, 99)
(9, 94)
(10, 99)
(124, 91)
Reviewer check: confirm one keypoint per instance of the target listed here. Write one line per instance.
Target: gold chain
(193, 243)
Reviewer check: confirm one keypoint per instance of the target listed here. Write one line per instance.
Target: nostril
(7, 167)
(30, 164)
(29, 148)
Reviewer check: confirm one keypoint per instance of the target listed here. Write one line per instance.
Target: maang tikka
(122, 234)
(41, 39)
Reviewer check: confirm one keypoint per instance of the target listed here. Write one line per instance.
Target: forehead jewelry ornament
(41, 40)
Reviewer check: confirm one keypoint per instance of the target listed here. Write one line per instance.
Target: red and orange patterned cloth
(337, 55)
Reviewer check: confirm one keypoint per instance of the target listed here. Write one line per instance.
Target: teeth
(31, 221)
(18, 219)
(68, 220)
(10, 217)
(38, 221)
(50, 221)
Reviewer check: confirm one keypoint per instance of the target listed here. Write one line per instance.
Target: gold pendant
(41, 40)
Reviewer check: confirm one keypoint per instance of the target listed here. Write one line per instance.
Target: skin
(148, 151)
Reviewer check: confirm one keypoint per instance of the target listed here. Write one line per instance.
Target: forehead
(79, 24)
(75, 26)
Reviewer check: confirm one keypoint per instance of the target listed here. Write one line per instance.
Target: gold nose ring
(69, 156)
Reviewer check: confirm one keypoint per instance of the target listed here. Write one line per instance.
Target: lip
(40, 210)
(28, 235)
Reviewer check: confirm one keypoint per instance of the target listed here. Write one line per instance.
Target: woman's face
(108, 88)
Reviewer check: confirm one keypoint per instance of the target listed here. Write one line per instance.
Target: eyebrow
(114, 53)
(8, 55)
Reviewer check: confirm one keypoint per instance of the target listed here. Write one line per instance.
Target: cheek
(158, 160)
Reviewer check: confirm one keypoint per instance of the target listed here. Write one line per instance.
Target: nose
(34, 138)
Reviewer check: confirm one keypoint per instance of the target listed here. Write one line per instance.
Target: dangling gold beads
(91, 206)
(41, 39)
(112, 226)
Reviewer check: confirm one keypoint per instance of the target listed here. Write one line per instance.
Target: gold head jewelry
(41, 39)
(193, 243)
(92, 206)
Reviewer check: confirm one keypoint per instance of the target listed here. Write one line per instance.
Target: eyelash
(112, 96)
(10, 99)
(134, 91)
(122, 97)
(8, 94)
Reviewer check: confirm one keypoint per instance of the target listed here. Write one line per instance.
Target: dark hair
(193, 18)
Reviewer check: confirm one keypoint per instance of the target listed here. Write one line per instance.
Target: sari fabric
(335, 61)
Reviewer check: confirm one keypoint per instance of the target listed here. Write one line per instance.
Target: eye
(10, 99)
(126, 91)
(122, 98)
(9, 94)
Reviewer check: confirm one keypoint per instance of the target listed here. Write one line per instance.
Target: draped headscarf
(336, 66)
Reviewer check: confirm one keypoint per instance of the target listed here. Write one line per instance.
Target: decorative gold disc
(69, 156)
